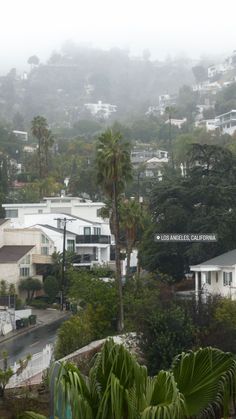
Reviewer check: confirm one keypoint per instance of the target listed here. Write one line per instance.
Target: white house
(100, 108)
(217, 276)
(208, 124)
(89, 239)
(176, 122)
(60, 204)
(227, 122)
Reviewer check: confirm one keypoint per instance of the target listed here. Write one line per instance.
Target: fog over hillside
(165, 28)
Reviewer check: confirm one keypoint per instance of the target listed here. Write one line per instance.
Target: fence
(36, 365)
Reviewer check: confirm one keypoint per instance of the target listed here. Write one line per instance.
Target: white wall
(218, 288)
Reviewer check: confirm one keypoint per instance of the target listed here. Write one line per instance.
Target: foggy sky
(173, 27)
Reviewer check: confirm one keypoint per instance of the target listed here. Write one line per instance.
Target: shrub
(38, 304)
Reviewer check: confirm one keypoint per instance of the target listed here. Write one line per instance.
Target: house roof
(85, 219)
(11, 254)
(58, 230)
(226, 259)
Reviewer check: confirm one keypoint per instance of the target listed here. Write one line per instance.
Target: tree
(40, 130)
(166, 332)
(113, 172)
(202, 201)
(33, 60)
(31, 285)
(199, 384)
(72, 335)
(51, 287)
(131, 219)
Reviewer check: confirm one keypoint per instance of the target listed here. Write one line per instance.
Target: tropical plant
(113, 172)
(200, 384)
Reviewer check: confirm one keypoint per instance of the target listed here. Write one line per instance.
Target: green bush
(39, 304)
(72, 335)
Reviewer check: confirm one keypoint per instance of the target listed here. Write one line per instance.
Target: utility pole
(63, 266)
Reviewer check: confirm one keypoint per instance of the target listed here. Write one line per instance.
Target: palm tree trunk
(120, 325)
(128, 253)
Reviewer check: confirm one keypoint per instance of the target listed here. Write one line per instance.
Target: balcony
(83, 259)
(41, 259)
(93, 239)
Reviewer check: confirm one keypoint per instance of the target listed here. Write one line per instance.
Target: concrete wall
(20, 314)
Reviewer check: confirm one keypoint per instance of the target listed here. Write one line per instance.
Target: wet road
(32, 342)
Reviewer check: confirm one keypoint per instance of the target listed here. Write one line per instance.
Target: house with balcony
(90, 240)
(216, 276)
(227, 122)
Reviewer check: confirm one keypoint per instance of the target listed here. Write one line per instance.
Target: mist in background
(173, 28)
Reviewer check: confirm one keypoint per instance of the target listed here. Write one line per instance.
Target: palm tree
(131, 216)
(170, 111)
(113, 171)
(40, 130)
(200, 384)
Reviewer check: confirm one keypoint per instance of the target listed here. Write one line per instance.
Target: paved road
(32, 342)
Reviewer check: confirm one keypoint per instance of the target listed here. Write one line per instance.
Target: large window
(87, 231)
(11, 213)
(70, 245)
(25, 260)
(227, 278)
(44, 239)
(44, 250)
(97, 231)
(24, 272)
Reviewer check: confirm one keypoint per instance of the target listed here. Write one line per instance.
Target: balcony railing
(93, 239)
(83, 259)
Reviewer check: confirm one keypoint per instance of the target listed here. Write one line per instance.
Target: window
(40, 211)
(87, 231)
(44, 250)
(217, 276)
(44, 239)
(208, 278)
(25, 260)
(11, 213)
(24, 272)
(227, 278)
(70, 245)
(97, 231)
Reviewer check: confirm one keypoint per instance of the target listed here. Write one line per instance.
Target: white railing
(36, 365)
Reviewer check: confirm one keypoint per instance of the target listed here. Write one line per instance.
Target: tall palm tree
(113, 171)
(41, 131)
(200, 384)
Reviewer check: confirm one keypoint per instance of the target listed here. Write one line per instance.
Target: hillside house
(216, 276)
